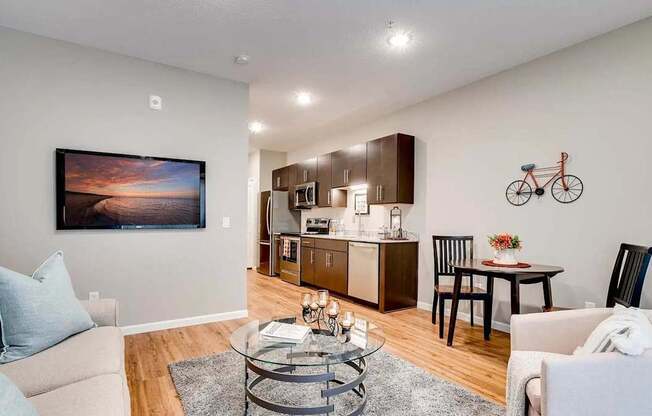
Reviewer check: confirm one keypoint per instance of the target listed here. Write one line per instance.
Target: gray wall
(56, 94)
(591, 100)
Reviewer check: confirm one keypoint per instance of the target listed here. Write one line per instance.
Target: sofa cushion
(97, 396)
(533, 391)
(40, 311)
(94, 352)
(12, 401)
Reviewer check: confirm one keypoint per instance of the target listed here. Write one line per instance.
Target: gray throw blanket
(523, 366)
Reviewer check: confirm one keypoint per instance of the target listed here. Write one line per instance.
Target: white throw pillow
(627, 330)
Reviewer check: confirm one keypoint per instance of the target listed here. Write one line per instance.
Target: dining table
(532, 274)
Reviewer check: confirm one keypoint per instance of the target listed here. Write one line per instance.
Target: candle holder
(317, 309)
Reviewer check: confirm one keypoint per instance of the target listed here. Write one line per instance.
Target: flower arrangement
(504, 241)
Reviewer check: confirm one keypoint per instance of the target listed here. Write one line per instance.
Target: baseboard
(497, 325)
(178, 323)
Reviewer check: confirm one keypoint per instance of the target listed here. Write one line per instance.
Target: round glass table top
(319, 348)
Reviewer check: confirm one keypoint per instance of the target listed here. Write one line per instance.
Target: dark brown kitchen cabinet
(307, 171)
(280, 179)
(390, 170)
(327, 197)
(293, 181)
(331, 270)
(307, 261)
(349, 166)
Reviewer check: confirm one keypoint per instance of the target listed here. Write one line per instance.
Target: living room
(524, 122)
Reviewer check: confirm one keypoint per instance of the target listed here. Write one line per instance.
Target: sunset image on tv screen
(103, 190)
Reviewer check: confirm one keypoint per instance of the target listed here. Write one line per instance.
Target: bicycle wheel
(518, 193)
(569, 193)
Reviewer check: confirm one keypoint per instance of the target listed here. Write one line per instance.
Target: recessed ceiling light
(242, 59)
(256, 127)
(304, 98)
(399, 40)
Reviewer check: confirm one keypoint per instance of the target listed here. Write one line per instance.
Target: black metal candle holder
(318, 316)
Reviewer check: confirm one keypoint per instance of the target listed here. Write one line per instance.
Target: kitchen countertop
(359, 238)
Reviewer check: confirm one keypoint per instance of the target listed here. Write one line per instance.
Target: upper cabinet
(390, 170)
(349, 166)
(386, 165)
(326, 196)
(307, 171)
(280, 179)
(293, 181)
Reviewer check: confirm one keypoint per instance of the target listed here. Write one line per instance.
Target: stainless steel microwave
(305, 195)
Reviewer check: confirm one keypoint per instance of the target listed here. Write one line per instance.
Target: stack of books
(287, 333)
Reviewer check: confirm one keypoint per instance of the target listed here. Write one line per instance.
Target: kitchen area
(361, 250)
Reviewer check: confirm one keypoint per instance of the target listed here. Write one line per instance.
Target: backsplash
(378, 216)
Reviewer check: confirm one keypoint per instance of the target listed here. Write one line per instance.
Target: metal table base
(285, 374)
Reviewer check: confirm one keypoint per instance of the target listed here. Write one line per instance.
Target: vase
(506, 257)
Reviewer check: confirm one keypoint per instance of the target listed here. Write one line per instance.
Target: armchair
(598, 384)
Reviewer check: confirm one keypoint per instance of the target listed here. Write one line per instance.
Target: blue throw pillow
(40, 311)
(12, 400)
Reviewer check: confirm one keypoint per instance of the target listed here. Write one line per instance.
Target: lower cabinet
(331, 270)
(307, 264)
(325, 264)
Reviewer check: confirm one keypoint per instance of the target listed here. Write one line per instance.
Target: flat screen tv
(114, 191)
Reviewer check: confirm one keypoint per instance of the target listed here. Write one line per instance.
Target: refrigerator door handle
(269, 205)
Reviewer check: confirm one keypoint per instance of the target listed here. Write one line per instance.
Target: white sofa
(598, 384)
(83, 375)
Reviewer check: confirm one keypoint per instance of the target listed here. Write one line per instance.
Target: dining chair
(627, 277)
(447, 249)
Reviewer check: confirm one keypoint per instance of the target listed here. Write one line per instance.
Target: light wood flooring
(472, 362)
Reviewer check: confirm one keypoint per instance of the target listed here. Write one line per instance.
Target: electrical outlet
(588, 305)
(226, 222)
(93, 296)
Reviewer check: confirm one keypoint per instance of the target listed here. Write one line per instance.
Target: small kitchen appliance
(305, 195)
(317, 225)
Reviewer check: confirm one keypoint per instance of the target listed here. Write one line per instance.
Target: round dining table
(535, 273)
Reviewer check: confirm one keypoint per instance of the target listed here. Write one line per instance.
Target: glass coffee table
(317, 361)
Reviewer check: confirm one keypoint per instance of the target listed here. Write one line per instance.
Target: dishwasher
(363, 271)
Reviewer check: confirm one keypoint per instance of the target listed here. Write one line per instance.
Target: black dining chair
(454, 248)
(627, 277)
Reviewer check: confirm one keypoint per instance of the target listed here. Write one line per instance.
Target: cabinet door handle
(377, 193)
(278, 181)
(381, 192)
(305, 175)
(312, 256)
(329, 198)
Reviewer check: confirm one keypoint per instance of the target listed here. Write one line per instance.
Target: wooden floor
(477, 364)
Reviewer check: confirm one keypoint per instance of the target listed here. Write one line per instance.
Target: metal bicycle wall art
(565, 188)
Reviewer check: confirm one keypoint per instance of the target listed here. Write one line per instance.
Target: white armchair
(610, 384)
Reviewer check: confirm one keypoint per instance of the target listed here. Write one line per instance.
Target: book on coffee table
(281, 332)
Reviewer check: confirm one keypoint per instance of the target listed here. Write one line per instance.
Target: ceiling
(336, 49)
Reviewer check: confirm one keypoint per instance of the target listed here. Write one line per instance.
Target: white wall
(269, 160)
(261, 164)
(253, 197)
(592, 101)
(56, 94)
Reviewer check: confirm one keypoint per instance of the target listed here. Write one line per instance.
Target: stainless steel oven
(291, 259)
(305, 195)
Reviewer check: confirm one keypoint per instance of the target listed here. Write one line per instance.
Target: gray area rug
(214, 386)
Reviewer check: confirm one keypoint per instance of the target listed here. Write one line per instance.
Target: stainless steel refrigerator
(275, 218)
